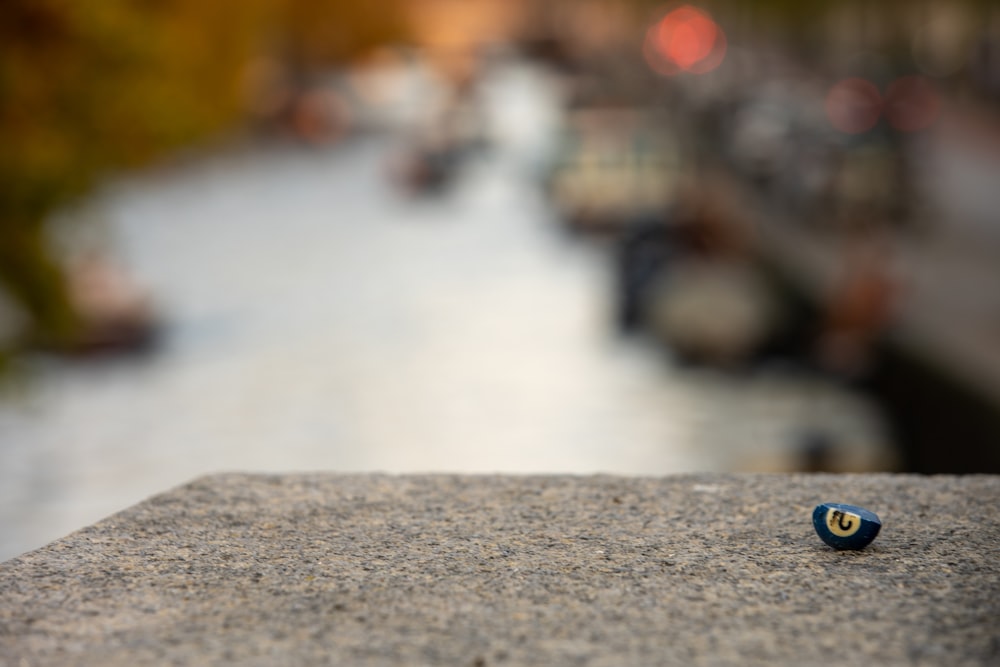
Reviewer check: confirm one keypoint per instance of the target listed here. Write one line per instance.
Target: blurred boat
(116, 317)
(615, 166)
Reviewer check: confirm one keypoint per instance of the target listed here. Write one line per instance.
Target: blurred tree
(95, 86)
(318, 33)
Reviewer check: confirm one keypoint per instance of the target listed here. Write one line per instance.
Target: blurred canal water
(319, 320)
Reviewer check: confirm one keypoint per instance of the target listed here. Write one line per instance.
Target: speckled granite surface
(472, 570)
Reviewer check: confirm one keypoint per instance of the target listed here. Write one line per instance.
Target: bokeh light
(686, 39)
(853, 105)
(941, 45)
(912, 103)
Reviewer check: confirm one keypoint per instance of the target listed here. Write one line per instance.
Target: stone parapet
(522, 570)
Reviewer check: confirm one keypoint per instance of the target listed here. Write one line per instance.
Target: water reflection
(318, 321)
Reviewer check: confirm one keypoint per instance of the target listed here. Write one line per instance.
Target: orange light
(686, 39)
(853, 105)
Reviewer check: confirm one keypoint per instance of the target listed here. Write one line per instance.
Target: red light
(853, 105)
(911, 103)
(686, 39)
(686, 36)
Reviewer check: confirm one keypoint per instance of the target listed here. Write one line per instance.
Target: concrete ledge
(485, 570)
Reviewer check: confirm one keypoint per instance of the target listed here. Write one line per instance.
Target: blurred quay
(565, 236)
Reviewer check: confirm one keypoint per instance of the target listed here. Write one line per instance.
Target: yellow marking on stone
(841, 523)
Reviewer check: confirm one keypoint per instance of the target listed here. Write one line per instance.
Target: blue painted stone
(845, 526)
